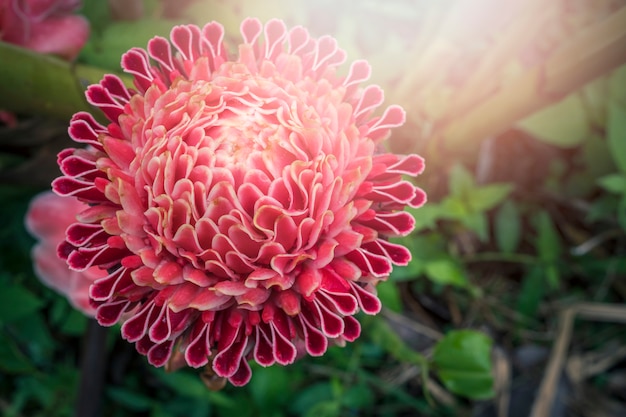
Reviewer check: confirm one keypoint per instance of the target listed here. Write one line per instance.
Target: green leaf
(325, 409)
(130, 399)
(552, 276)
(446, 272)
(621, 212)
(617, 85)
(389, 295)
(183, 383)
(461, 180)
(423, 248)
(595, 97)
(307, 398)
(426, 216)
(486, 197)
(602, 207)
(32, 331)
(270, 386)
(117, 38)
(196, 407)
(462, 361)
(75, 323)
(159, 411)
(53, 392)
(508, 227)
(563, 124)
(614, 183)
(358, 397)
(595, 155)
(19, 399)
(593, 267)
(407, 273)
(66, 318)
(33, 83)
(454, 207)
(12, 360)
(384, 336)
(189, 386)
(17, 302)
(98, 13)
(477, 222)
(616, 134)
(532, 292)
(548, 241)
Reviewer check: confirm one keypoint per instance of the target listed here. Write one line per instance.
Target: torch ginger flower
(241, 205)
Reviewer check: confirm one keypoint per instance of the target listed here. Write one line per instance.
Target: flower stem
(93, 365)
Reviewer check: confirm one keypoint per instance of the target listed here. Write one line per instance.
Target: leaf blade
(463, 363)
(508, 227)
(616, 134)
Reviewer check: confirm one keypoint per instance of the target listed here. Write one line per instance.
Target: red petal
(229, 359)
(158, 355)
(137, 326)
(352, 328)
(369, 303)
(198, 352)
(110, 313)
(315, 342)
(263, 351)
(243, 374)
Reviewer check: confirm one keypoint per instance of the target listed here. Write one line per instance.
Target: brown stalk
(92, 372)
(126, 9)
(590, 54)
(423, 56)
(484, 81)
(440, 40)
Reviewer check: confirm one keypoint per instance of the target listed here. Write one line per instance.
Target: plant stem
(502, 257)
(93, 365)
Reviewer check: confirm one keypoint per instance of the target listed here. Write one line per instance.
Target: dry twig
(588, 311)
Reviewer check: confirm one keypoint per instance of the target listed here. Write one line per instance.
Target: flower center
(236, 177)
(237, 135)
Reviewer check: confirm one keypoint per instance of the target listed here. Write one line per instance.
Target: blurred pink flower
(47, 219)
(242, 205)
(46, 26)
(7, 118)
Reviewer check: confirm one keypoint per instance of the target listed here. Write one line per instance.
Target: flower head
(48, 266)
(46, 26)
(241, 204)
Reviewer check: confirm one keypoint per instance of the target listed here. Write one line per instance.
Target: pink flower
(52, 270)
(46, 26)
(242, 205)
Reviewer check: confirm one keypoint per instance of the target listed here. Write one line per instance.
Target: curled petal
(159, 354)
